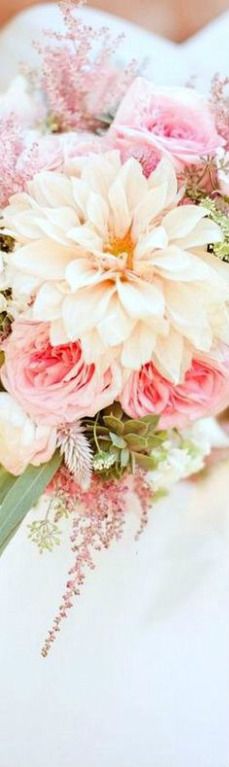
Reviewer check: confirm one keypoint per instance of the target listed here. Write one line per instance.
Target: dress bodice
(201, 56)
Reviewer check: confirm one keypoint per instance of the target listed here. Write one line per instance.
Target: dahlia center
(119, 246)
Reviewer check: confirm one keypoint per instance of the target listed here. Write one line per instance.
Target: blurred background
(175, 19)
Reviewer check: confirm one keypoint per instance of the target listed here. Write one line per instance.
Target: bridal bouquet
(114, 281)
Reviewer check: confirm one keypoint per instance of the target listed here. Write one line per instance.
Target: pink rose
(153, 121)
(53, 384)
(205, 391)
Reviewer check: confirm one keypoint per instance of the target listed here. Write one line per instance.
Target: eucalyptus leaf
(7, 480)
(23, 494)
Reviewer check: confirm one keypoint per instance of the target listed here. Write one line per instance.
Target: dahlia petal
(204, 232)
(169, 356)
(83, 310)
(80, 272)
(181, 221)
(138, 348)
(47, 303)
(50, 188)
(120, 216)
(44, 258)
(86, 238)
(116, 325)
(140, 299)
(165, 170)
(152, 241)
(150, 206)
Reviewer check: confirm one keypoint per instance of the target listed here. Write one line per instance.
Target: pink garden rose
(205, 391)
(154, 121)
(53, 384)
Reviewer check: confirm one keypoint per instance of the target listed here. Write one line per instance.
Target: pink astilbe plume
(220, 104)
(99, 516)
(11, 147)
(77, 74)
(20, 160)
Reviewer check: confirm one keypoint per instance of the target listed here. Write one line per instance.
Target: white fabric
(139, 676)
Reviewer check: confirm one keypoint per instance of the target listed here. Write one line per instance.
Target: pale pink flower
(53, 384)
(22, 441)
(204, 391)
(154, 121)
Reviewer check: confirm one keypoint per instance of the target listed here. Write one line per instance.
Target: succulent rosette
(114, 293)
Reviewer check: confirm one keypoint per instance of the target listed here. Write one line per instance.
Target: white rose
(21, 440)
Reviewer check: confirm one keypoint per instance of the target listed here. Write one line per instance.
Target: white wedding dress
(139, 676)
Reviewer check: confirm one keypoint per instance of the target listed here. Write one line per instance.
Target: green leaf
(117, 441)
(124, 458)
(135, 442)
(114, 410)
(23, 494)
(6, 481)
(138, 427)
(114, 424)
(153, 420)
(145, 461)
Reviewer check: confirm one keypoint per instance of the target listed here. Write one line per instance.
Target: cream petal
(83, 310)
(179, 265)
(141, 300)
(181, 221)
(116, 325)
(98, 213)
(86, 238)
(150, 206)
(169, 356)
(165, 171)
(80, 273)
(44, 258)
(25, 225)
(134, 182)
(100, 175)
(157, 238)
(52, 189)
(204, 232)
(120, 216)
(139, 347)
(48, 303)
(93, 347)
(188, 313)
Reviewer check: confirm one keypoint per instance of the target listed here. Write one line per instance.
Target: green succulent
(120, 443)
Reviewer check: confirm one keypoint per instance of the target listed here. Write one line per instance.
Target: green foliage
(19, 494)
(45, 534)
(220, 217)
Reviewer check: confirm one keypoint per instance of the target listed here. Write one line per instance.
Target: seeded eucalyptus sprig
(120, 444)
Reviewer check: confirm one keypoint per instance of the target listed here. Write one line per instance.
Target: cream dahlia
(113, 259)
